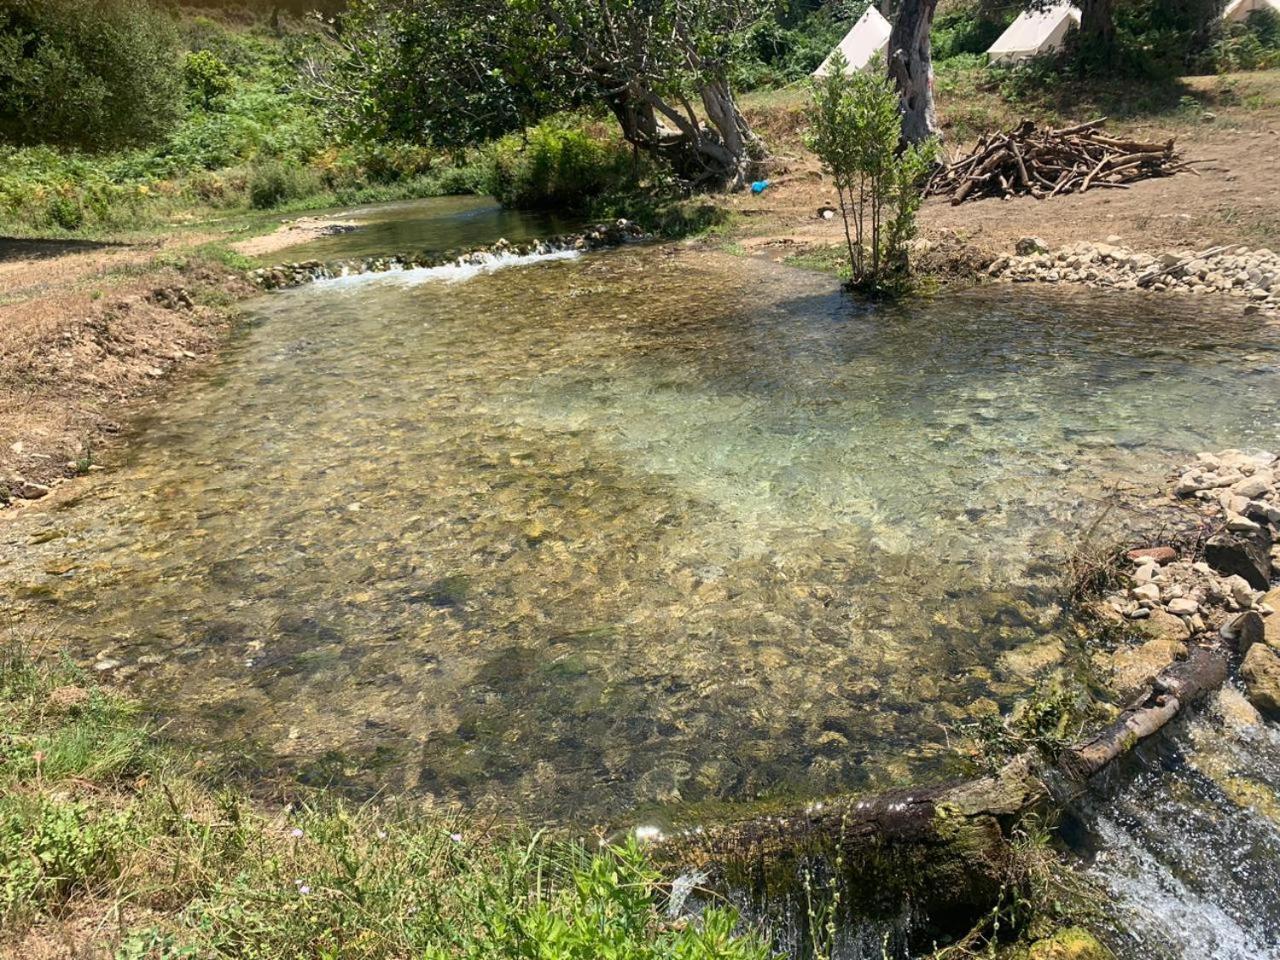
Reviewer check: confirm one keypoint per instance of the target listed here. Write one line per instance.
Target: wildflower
(455, 837)
(296, 833)
(382, 834)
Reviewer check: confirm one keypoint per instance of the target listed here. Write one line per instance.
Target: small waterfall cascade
(1186, 842)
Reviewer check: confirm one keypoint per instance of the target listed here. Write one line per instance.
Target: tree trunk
(737, 139)
(723, 154)
(911, 69)
(1098, 27)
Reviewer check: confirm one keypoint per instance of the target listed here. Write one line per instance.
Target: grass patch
(832, 259)
(99, 819)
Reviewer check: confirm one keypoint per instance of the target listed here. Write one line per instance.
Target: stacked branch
(1045, 163)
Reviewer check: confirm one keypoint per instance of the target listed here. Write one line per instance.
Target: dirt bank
(1232, 124)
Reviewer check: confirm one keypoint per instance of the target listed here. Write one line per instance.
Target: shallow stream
(622, 536)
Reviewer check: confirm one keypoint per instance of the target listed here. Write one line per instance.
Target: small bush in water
(855, 131)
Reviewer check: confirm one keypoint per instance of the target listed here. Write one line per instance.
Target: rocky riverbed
(1252, 276)
(1213, 588)
(295, 274)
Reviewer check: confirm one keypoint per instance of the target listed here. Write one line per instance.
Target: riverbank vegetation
(111, 838)
(222, 112)
(856, 132)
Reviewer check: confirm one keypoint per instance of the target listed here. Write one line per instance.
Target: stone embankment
(594, 238)
(1252, 276)
(1218, 592)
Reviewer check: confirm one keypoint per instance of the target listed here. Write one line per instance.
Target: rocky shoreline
(1215, 589)
(286, 275)
(1250, 275)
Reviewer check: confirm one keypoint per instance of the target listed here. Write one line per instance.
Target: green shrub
(968, 28)
(1252, 45)
(205, 77)
(855, 130)
(275, 182)
(87, 73)
(561, 165)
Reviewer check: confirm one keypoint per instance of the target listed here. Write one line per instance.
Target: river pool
(625, 535)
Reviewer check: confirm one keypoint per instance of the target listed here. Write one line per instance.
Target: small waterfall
(463, 269)
(1187, 845)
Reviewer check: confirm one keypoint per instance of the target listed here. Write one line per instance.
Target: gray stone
(1252, 487)
(1246, 630)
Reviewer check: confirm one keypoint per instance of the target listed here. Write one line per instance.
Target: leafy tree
(456, 72)
(855, 130)
(86, 73)
(446, 73)
(205, 77)
(645, 57)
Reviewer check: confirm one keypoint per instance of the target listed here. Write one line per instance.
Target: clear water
(656, 528)
(1188, 849)
(436, 225)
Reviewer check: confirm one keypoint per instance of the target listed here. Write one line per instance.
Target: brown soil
(291, 234)
(1233, 199)
(90, 333)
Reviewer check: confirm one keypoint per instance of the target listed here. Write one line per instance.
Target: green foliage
(206, 78)
(1252, 45)
(968, 29)
(215, 875)
(87, 73)
(855, 130)
(276, 182)
(445, 73)
(51, 849)
(560, 165)
(244, 117)
(778, 53)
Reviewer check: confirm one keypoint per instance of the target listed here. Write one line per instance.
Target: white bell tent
(1238, 11)
(1035, 32)
(868, 37)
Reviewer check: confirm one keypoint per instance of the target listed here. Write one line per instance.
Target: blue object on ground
(759, 186)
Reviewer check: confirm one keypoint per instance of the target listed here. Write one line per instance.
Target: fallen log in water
(943, 848)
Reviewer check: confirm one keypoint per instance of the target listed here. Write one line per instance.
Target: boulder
(1164, 626)
(1072, 943)
(1261, 675)
(1252, 488)
(1183, 607)
(1134, 667)
(1029, 246)
(1240, 555)
(1246, 630)
(1146, 591)
(1271, 623)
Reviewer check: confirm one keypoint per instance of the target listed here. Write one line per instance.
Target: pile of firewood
(1046, 163)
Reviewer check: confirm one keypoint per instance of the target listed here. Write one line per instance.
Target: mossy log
(944, 848)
